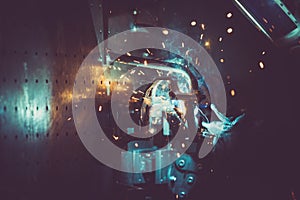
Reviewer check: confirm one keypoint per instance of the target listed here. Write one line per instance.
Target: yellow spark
(232, 92)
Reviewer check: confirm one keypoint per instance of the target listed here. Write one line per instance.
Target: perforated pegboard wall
(42, 44)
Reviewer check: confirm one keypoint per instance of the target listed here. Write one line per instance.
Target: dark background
(259, 161)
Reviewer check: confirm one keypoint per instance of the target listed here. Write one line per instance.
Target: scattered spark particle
(165, 32)
(135, 12)
(207, 44)
(100, 108)
(201, 36)
(263, 53)
(203, 26)
(115, 137)
(229, 15)
(222, 60)
(229, 30)
(69, 119)
(232, 92)
(183, 145)
(193, 23)
(222, 50)
(220, 39)
(261, 65)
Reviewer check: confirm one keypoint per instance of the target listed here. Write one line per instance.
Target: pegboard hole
(47, 81)
(36, 80)
(47, 108)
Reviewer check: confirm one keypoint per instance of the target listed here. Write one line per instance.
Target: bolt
(182, 194)
(181, 163)
(190, 180)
